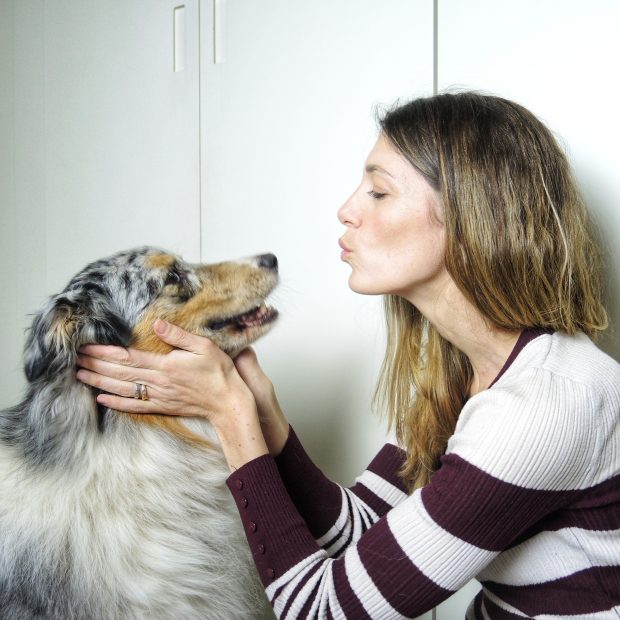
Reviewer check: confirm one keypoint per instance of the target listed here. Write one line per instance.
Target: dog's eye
(173, 277)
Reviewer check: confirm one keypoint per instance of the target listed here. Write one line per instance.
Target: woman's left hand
(196, 378)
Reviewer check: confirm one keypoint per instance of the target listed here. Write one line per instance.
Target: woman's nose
(346, 213)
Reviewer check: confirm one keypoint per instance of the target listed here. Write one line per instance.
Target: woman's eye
(376, 195)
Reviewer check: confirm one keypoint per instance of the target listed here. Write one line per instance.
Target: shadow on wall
(606, 219)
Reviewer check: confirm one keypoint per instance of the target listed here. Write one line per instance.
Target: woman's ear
(68, 321)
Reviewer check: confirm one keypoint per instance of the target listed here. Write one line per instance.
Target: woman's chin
(358, 285)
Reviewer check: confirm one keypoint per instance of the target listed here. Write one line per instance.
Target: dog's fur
(106, 515)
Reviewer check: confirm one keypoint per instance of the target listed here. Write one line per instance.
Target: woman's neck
(461, 324)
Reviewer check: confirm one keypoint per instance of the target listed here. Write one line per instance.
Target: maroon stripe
(602, 494)
(387, 463)
(348, 600)
(464, 500)
(495, 612)
(526, 336)
(367, 496)
(400, 581)
(598, 509)
(586, 592)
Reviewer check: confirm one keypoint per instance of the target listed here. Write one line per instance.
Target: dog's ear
(68, 321)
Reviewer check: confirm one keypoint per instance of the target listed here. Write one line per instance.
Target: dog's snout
(268, 261)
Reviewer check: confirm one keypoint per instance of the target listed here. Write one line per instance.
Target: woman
(467, 219)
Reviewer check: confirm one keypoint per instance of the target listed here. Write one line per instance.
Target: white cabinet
(100, 145)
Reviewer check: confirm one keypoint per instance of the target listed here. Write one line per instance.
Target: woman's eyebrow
(370, 168)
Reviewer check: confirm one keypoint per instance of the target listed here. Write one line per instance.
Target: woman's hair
(519, 247)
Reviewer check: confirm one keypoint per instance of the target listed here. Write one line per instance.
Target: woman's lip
(343, 246)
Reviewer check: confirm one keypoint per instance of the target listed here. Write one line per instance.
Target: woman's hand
(194, 379)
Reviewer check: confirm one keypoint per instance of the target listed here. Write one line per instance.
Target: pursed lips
(345, 249)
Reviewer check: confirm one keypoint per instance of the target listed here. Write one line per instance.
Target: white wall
(287, 124)
(560, 60)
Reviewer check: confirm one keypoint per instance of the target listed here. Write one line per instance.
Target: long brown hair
(519, 246)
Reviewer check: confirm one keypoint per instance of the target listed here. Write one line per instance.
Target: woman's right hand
(273, 423)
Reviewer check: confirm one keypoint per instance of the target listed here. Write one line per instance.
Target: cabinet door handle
(178, 54)
(219, 29)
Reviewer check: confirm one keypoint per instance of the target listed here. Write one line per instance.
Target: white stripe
(500, 603)
(295, 573)
(382, 488)
(483, 609)
(334, 603)
(303, 595)
(356, 519)
(445, 559)
(340, 541)
(553, 555)
(367, 514)
(372, 600)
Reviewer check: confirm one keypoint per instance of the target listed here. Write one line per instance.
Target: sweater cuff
(277, 535)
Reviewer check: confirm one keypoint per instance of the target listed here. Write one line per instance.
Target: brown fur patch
(158, 261)
(144, 338)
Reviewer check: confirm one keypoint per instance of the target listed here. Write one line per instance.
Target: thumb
(178, 338)
(247, 364)
(250, 371)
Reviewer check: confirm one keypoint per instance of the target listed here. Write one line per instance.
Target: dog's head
(117, 299)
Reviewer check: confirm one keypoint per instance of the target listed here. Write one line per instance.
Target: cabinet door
(102, 144)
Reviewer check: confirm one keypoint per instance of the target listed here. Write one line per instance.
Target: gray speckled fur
(101, 517)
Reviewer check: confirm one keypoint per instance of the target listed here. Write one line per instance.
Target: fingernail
(161, 326)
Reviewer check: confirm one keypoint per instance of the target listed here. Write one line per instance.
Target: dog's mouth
(256, 317)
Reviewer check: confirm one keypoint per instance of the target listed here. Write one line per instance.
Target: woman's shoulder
(549, 420)
(571, 357)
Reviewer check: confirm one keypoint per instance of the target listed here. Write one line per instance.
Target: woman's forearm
(273, 423)
(241, 439)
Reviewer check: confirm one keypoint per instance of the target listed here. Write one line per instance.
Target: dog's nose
(268, 261)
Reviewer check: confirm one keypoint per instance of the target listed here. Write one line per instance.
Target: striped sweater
(526, 500)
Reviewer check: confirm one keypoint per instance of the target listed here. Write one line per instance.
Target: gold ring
(141, 392)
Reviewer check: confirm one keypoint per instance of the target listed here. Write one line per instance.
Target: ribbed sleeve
(335, 515)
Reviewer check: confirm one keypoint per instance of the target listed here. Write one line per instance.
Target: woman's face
(394, 239)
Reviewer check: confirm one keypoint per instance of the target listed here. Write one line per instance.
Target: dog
(107, 515)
